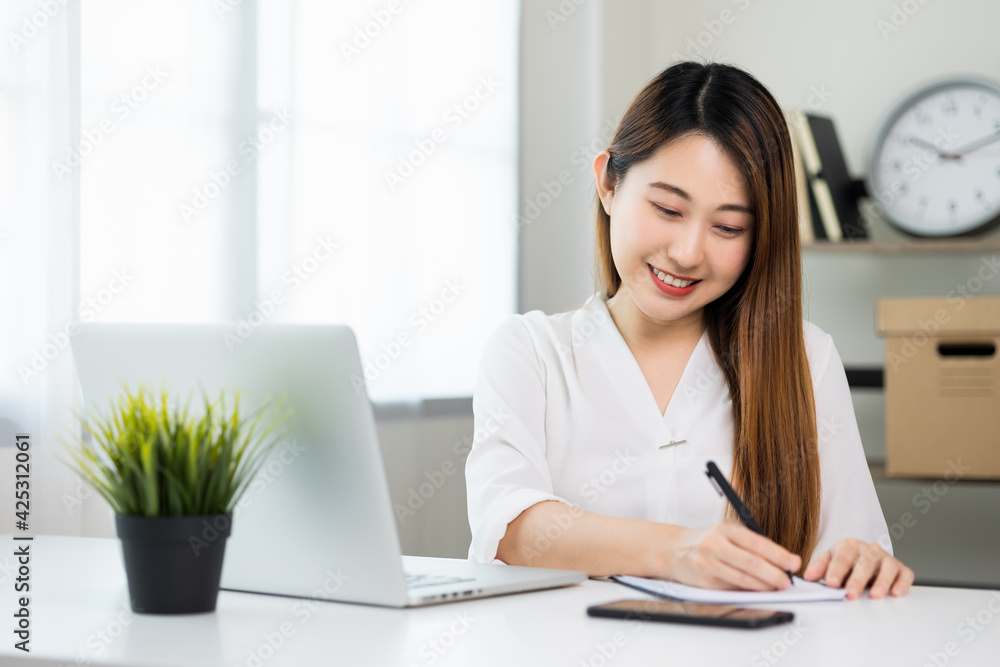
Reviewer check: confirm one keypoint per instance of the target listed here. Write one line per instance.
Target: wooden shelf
(877, 469)
(885, 240)
(905, 247)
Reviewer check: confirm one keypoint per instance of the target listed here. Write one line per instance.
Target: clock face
(935, 163)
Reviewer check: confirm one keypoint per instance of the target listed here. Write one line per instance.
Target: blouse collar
(593, 322)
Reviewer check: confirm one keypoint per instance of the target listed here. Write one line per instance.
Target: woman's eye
(728, 231)
(665, 210)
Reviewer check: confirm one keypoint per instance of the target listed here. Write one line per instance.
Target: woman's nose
(687, 246)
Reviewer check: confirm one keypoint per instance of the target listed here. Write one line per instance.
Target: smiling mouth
(670, 279)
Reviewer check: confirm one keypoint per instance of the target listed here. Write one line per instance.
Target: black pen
(722, 486)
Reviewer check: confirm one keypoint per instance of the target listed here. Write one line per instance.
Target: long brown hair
(755, 329)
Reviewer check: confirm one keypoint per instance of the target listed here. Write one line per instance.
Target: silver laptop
(317, 521)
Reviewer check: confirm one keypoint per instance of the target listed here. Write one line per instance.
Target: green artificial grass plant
(149, 460)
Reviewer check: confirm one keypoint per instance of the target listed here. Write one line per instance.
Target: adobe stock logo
(597, 485)
(436, 479)
(41, 357)
(418, 322)
(697, 46)
(898, 17)
(453, 118)
(123, 107)
(363, 35)
(265, 307)
(219, 179)
(31, 25)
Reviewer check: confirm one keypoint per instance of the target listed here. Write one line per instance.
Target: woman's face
(685, 212)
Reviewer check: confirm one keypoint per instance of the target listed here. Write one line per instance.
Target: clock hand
(941, 154)
(976, 145)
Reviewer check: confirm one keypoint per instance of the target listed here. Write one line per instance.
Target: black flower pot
(173, 564)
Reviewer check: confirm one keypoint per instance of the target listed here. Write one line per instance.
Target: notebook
(801, 591)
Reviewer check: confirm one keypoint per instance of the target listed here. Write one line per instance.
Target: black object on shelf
(868, 378)
(844, 190)
(819, 231)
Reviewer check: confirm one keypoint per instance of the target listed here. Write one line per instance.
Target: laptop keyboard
(416, 580)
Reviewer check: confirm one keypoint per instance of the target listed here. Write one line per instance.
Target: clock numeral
(897, 165)
(949, 106)
(996, 125)
(953, 211)
(922, 117)
(982, 199)
(978, 106)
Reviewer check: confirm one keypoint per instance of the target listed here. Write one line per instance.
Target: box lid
(952, 315)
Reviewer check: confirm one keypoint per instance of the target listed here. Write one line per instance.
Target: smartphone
(669, 611)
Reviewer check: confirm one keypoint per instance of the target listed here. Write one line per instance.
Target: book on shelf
(803, 200)
(844, 190)
(833, 194)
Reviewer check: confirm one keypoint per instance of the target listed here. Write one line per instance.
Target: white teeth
(672, 281)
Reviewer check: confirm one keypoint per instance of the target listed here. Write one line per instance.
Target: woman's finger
(736, 578)
(903, 581)
(777, 555)
(845, 553)
(757, 567)
(869, 561)
(887, 574)
(818, 567)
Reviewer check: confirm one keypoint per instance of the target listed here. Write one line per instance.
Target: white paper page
(802, 591)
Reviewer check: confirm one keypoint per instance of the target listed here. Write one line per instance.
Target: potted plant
(173, 481)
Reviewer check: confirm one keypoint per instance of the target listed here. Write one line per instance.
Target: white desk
(80, 615)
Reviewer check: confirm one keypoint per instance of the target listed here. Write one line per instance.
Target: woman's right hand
(729, 555)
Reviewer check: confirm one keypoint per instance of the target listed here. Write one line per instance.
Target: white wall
(561, 129)
(796, 48)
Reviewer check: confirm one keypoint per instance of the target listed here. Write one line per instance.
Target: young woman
(598, 422)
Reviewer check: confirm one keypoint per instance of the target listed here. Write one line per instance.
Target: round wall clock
(934, 162)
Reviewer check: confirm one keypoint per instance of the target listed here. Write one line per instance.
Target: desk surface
(80, 615)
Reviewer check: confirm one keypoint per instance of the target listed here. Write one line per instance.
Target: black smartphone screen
(669, 611)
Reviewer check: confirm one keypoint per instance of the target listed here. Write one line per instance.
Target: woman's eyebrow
(685, 196)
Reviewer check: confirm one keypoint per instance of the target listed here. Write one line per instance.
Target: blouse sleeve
(849, 505)
(506, 471)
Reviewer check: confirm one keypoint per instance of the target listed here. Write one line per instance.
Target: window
(307, 162)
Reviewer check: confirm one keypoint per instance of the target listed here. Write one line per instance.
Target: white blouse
(563, 412)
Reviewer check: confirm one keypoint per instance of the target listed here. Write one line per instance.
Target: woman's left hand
(853, 564)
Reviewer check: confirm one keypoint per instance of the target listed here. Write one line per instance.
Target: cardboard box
(942, 386)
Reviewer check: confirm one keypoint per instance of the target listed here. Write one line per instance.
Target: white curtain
(248, 162)
(39, 258)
